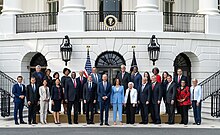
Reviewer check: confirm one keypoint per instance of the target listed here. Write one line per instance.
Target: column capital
(73, 5)
(12, 7)
(147, 6)
(208, 7)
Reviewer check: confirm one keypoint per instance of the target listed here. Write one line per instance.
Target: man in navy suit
(96, 78)
(81, 81)
(104, 93)
(71, 97)
(19, 95)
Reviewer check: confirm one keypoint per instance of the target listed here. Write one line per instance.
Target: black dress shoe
(70, 123)
(141, 123)
(145, 123)
(194, 123)
(157, 123)
(16, 123)
(92, 123)
(107, 124)
(76, 123)
(101, 124)
(167, 123)
(198, 123)
(34, 123)
(23, 122)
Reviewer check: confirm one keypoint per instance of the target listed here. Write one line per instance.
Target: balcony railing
(95, 21)
(36, 22)
(184, 22)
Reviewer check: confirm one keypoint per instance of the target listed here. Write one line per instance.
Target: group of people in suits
(130, 94)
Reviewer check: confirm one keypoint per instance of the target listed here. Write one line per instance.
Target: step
(82, 118)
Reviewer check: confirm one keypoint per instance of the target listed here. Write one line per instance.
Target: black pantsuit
(130, 113)
(144, 112)
(70, 104)
(184, 114)
(171, 113)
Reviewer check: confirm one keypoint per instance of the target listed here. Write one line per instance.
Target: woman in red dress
(183, 98)
(156, 73)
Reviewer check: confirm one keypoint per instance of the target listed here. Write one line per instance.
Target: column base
(209, 12)
(12, 11)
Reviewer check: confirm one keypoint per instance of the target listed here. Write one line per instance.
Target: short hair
(32, 77)
(157, 69)
(44, 80)
(194, 79)
(123, 66)
(131, 83)
(74, 72)
(56, 73)
(116, 81)
(169, 76)
(47, 70)
(65, 69)
(179, 69)
(19, 77)
(57, 79)
(148, 77)
(38, 66)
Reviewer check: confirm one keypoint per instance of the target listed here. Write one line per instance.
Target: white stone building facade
(197, 51)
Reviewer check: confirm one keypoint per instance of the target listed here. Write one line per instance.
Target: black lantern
(66, 50)
(153, 49)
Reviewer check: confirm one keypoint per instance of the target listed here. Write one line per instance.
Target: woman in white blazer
(130, 103)
(44, 102)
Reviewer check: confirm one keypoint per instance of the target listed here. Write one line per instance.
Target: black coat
(171, 92)
(70, 92)
(81, 84)
(144, 95)
(90, 94)
(39, 76)
(32, 96)
(126, 79)
(183, 78)
(55, 94)
(49, 81)
(156, 93)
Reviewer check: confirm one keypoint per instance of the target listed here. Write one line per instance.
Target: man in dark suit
(81, 81)
(156, 96)
(71, 97)
(177, 79)
(170, 99)
(19, 95)
(124, 78)
(136, 78)
(32, 100)
(104, 93)
(144, 100)
(90, 97)
(96, 78)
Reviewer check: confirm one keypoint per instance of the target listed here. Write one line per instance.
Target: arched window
(1, 6)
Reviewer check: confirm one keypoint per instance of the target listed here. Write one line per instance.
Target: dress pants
(144, 112)
(130, 113)
(18, 107)
(117, 107)
(171, 113)
(89, 108)
(32, 109)
(43, 111)
(177, 107)
(184, 114)
(70, 104)
(155, 113)
(104, 106)
(197, 111)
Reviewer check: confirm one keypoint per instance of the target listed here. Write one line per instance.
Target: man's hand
(147, 102)
(172, 102)
(52, 102)
(104, 98)
(158, 102)
(21, 97)
(29, 103)
(197, 104)
(84, 101)
(94, 101)
(124, 104)
(66, 100)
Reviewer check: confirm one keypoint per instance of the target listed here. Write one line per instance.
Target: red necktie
(81, 80)
(179, 79)
(75, 83)
(153, 85)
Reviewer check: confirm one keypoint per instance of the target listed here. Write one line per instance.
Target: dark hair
(65, 69)
(56, 73)
(116, 81)
(73, 72)
(148, 76)
(57, 79)
(44, 80)
(157, 69)
(47, 70)
(169, 76)
(179, 69)
(19, 77)
(165, 72)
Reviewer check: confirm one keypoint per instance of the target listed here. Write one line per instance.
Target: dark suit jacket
(39, 79)
(102, 92)
(126, 79)
(81, 86)
(171, 92)
(144, 95)
(156, 93)
(90, 94)
(55, 94)
(70, 92)
(183, 78)
(18, 91)
(32, 96)
(137, 80)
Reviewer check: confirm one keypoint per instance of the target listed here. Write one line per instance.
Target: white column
(72, 19)
(208, 7)
(147, 5)
(11, 7)
(73, 5)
